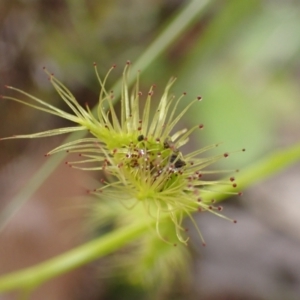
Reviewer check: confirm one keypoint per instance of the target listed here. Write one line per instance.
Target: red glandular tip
(128, 62)
(226, 154)
(184, 93)
(199, 98)
(201, 126)
(232, 179)
(114, 66)
(234, 221)
(94, 64)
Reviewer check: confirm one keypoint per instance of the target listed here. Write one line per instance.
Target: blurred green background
(242, 57)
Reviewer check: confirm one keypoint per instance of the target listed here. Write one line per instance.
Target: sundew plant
(138, 151)
(138, 155)
(150, 175)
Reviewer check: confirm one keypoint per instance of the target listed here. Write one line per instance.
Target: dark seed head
(173, 157)
(179, 164)
(140, 138)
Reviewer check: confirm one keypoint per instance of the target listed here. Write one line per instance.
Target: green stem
(186, 16)
(36, 275)
(30, 278)
(265, 168)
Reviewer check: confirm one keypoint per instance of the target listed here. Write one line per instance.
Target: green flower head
(138, 151)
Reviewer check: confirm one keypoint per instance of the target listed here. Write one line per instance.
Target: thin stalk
(32, 277)
(266, 167)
